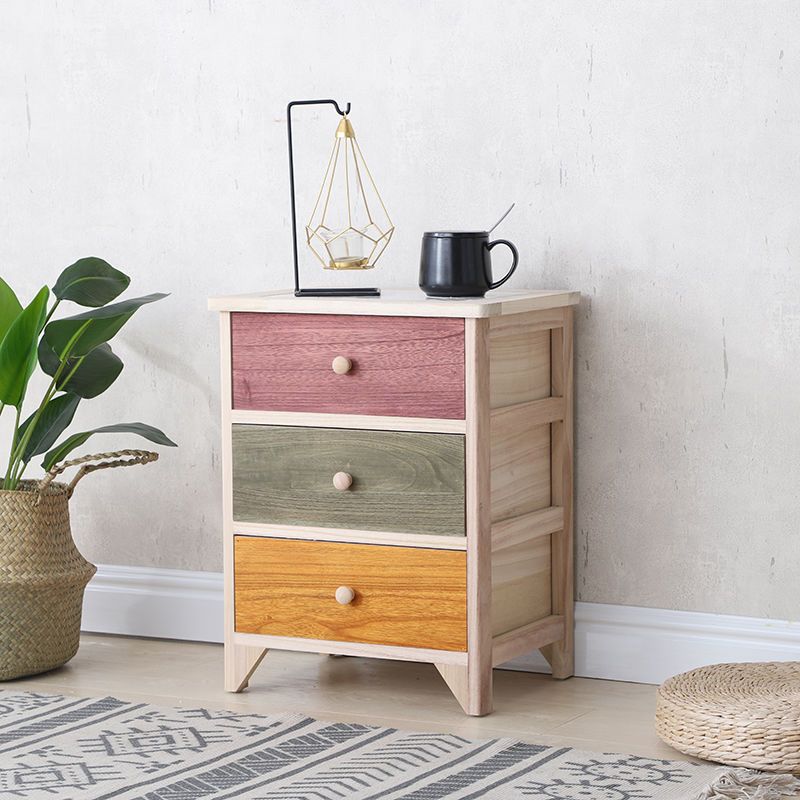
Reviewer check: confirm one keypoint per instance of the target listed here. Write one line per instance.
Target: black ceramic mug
(459, 263)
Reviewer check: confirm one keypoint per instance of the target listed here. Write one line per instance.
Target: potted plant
(42, 574)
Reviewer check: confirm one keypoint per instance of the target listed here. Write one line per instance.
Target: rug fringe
(750, 784)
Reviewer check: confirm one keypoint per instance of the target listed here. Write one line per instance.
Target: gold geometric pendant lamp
(349, 227)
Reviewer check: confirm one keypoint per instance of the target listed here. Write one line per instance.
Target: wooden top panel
(399, 302)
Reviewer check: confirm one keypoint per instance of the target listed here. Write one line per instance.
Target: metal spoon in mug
(501, 218)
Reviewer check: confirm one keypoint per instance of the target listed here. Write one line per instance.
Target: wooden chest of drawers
(397, 481)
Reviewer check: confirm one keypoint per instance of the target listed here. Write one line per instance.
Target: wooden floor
(588, 714)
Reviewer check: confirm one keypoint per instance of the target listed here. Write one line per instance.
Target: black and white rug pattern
(67, 748)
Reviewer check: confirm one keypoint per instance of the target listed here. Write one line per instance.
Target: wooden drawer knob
(341, 365)
(345, 595)
(342, 481)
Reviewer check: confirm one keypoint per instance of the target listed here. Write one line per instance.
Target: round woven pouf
(743, 715)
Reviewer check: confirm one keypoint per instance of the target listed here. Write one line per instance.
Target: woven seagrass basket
(42, 574)
(742, 715)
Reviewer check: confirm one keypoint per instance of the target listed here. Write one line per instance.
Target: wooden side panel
(401, 366)
(405, 482)
(523, 520)
(520, 358)
(404, 597)
(520, 584)
(520, 466)
(514, 531)
(561, 654)
(520, 641)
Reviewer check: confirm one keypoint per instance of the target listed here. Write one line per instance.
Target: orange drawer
(402, 596)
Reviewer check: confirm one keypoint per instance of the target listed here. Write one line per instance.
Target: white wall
(652, 149)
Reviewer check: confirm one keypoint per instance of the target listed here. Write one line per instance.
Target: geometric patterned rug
(66, 748)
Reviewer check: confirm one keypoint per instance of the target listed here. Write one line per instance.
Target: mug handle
(513, 249)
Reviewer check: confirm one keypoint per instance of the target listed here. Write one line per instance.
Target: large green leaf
(90, 329)
(57, 414)
(90, 282)
(95, 372)
(10, 307)
(18, 350)
(77, 439)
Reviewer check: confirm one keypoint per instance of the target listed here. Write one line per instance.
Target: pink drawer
(398, 366)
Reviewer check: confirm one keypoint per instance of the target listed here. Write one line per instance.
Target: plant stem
(70, 374)
(7, 479)
(12, 478)
(21, 463)
(19, 451)
(52, 310)
(9, 482)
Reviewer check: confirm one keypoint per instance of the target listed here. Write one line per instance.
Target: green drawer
(404, 482)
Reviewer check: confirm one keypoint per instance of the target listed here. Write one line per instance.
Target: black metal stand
(298, 292)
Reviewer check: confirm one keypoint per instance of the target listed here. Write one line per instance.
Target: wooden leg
(455, 677)
(478, 692)
(475, 697)
(479, 689)
(561, 657)
(241, 661)
(561, 654)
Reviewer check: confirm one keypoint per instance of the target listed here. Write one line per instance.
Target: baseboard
(162, 603)
(624, 643)
(647, 645)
